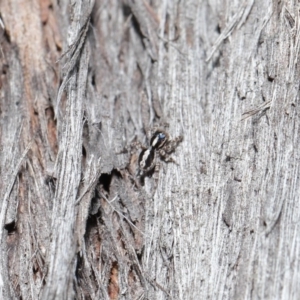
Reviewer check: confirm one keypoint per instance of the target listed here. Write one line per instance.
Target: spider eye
(161, 136)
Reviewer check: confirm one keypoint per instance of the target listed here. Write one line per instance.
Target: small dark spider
(160, 145)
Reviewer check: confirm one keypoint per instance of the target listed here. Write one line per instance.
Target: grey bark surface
(81, 82)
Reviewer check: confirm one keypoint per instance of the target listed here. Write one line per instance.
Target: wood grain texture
(83, 81)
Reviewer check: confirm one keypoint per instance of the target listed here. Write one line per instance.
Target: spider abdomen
(147, 159)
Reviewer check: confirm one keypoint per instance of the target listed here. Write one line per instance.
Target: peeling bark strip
(84, 82)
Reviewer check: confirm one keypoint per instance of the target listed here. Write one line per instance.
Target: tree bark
(82, 82)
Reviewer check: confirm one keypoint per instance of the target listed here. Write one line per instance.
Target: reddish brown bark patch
(113, 287)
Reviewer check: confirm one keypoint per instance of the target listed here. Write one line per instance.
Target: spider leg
(137, 145)
(166, 157)
(155, 176)
(170, 159)
(172, 144)
(132, 148)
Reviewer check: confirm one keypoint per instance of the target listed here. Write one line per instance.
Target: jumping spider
(160, 145)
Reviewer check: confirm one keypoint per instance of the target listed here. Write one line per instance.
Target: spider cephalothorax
(158, 139)
(160, 145)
